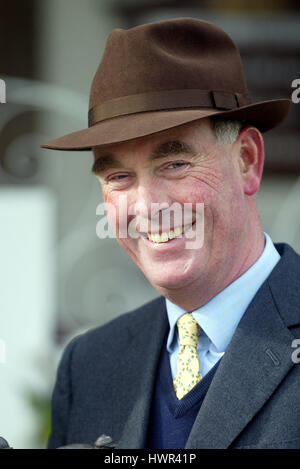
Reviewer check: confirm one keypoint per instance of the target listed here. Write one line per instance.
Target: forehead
(173, 140)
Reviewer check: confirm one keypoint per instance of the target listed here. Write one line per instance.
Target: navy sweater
(171, 420)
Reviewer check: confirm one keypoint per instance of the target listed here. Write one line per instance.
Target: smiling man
(188, 165)
(207, 364)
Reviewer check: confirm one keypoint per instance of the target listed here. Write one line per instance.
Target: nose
(151, 201)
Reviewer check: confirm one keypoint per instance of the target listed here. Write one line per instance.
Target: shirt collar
(219, 317)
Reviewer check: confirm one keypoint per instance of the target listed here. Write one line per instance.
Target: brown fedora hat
(161, 75)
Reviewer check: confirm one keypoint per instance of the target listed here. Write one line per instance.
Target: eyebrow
(105, 162)
(173, 147)
(164, 150)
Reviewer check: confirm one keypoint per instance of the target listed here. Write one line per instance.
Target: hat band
(166, 100)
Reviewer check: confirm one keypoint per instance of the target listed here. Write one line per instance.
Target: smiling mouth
(167, 236)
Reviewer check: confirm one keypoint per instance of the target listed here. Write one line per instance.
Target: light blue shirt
(219, 317)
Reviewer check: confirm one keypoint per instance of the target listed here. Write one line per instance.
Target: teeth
(164, 237)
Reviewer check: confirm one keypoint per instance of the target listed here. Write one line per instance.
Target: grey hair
(226, 130)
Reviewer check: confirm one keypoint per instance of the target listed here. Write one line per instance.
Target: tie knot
(188, 330)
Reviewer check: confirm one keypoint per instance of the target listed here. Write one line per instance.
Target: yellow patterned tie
(188, 373)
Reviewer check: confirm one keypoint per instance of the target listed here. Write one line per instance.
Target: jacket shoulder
(284, 282)
(132, 319)
(111, 337)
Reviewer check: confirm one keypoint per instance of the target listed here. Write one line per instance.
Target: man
(209, 363)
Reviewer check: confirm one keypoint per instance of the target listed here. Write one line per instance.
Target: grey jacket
(106, 376)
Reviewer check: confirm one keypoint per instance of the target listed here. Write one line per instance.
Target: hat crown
(176, 54)
(161, 75)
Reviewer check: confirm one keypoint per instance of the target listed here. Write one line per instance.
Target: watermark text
(159, 223)
(296, 352)
(296, 92)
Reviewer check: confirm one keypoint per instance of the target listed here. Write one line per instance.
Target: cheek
(190, 191)
(223, 203)
(117, 208)
(113, 206)
(229, 212)
(112, 211)
(199, 195)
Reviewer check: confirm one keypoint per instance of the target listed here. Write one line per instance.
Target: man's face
(185, 165)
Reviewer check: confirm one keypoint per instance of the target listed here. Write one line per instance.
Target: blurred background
(57, 277)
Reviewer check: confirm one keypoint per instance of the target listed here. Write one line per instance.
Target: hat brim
(264, 115)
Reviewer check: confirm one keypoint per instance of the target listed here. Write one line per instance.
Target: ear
(251, 158)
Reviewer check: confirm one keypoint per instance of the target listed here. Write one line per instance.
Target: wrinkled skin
(225, 177)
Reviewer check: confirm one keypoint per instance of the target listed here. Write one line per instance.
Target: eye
(118, 181)
(116, 177)
(176, 164)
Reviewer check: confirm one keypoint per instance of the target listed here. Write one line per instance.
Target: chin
(170, 281)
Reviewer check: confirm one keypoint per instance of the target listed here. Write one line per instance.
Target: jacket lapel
(138, 366)
(256, 360)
